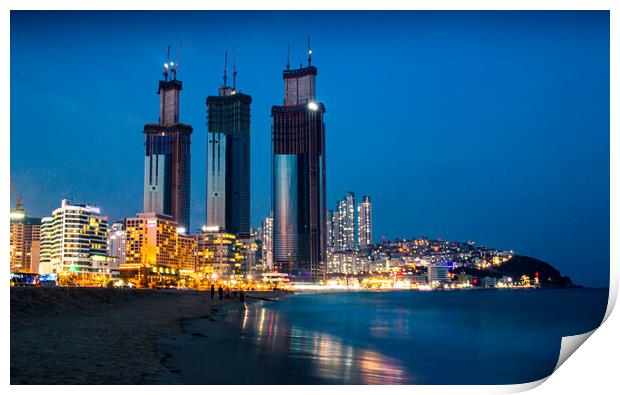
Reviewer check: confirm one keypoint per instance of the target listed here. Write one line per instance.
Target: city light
(313, 106)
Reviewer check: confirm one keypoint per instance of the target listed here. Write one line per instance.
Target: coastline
(185, 363)
(130, 336)
(259, 345)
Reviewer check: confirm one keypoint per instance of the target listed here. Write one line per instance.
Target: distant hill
(519, 265)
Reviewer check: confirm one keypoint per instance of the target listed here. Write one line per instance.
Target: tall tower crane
(19, 203)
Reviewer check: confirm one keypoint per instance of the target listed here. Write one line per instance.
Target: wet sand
(211, 351)
(100, 335)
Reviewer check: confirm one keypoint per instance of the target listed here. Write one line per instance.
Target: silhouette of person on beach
(220, 293)
(212, 291)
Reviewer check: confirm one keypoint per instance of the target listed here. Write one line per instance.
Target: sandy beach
(100, 335)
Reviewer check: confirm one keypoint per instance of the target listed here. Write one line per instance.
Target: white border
(593, 371)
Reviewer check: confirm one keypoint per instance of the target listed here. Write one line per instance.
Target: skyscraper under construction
(167, 161)
(228, 159)
(298, 176)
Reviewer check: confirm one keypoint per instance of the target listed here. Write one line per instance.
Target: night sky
(484, 126)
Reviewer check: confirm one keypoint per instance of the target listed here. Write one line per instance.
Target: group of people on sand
(220, 294)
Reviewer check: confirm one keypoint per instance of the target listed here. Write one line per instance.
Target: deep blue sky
(485, 126)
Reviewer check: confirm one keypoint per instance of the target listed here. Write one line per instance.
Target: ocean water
(408, 337)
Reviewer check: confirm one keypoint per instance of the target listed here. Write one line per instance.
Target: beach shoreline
(65, 335)
(220, 333)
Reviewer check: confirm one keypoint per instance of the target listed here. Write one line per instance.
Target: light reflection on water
(408, 337)
(328, 357)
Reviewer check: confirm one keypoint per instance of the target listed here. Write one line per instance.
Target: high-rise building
(329, 228)
(266, 238)
(349, 223)
(74, 241)
(364, 228)
(117, 241)
(298, 177)
(337, 229)
(167, 161)
(25, 234)
(47, 231)
(344, 223)
(228, 160)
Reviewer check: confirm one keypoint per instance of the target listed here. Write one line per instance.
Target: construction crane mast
(19, 203)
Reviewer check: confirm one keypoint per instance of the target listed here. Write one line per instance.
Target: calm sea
(409, 337)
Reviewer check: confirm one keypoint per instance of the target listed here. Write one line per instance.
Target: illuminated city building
(151, 242)
(336, 229)
(438, 273)
(298, 177)
(346, 223)
(45, 264)
(364, 228)
(241, 264)
(117, 241)
(266, 238)
(228, 160)
(329, 228)
(24, 241)
(74, 241)
(254, 260)
(167, 158)
(215, 252)
(186, 253)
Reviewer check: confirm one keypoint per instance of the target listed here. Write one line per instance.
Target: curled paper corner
(516, 388)
(569, 345)
(611, 300)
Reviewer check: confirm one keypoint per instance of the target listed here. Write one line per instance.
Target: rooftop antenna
(288, 58)
(174, 66)
(225, 66)
(234, 71)
(309, 52)
(166, 65)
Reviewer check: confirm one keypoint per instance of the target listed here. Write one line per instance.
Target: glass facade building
(228, 162)
(298, 178)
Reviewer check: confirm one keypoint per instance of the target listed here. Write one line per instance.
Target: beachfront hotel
(186, 254)
(74, 242)
(151, 246)
(215, 253)
(298, 177)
